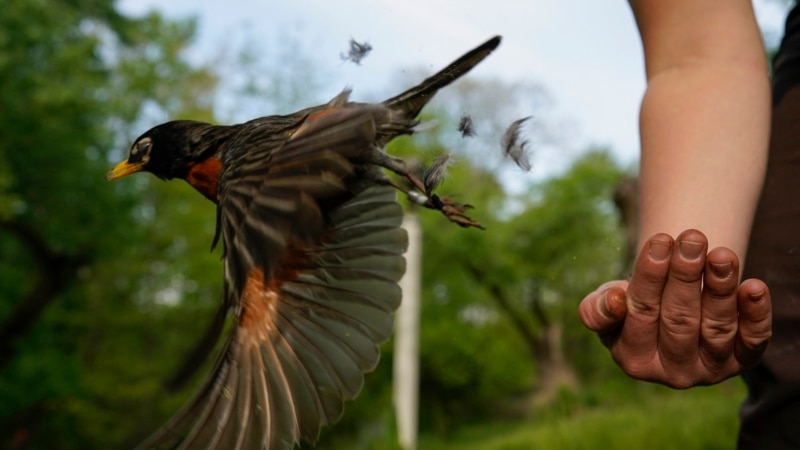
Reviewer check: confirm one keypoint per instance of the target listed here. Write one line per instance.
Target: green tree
(74, 76)
(512, 291)
(106, 287)
(499, 325)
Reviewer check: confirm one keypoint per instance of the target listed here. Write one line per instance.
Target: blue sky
(585, 53)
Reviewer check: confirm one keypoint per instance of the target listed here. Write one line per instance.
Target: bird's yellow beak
(123, 169)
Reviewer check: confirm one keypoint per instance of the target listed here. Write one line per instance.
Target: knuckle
(680, 322)
(720, 291)
(758, 331)
(644, 309)
(757, 340)
(687, 272)
(718, 330)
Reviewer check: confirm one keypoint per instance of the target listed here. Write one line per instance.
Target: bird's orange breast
(204, 176)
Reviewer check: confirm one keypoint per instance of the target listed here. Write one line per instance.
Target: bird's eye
(141, 150)
(143, 147)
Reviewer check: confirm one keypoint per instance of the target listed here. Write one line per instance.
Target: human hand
(683, 319)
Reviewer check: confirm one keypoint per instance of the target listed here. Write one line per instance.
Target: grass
(651, 418)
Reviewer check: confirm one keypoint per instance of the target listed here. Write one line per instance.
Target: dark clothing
(771, 414)
(786, 64)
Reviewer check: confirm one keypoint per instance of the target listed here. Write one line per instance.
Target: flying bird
(312, 253)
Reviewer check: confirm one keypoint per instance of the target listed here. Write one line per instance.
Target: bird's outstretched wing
(313, 253)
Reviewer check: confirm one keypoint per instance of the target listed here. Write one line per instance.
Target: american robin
(312, 250)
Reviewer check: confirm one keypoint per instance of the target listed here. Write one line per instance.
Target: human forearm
(704, 130)
(705, 118)
(683, 318)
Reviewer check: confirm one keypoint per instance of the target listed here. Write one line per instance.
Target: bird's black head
(164, 150)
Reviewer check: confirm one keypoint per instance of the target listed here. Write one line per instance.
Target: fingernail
(721, 270)
(611, 298)
(757, 296)
(618, 303)
(690, 249)
(660, 250)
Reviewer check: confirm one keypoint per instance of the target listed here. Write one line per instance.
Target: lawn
(650, 417)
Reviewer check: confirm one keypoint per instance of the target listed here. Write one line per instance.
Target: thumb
(604, 310)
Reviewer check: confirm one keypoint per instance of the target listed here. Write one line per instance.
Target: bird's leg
(454, 212)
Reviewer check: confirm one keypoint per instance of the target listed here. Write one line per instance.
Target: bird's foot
(422, 195)
(455, 212)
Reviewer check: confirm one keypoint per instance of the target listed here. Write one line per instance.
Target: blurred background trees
(104, 288)
(85, 293)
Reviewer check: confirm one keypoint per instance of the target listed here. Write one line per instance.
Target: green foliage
(135, 284)
(73, 78)
(560, 236)
(647, 417)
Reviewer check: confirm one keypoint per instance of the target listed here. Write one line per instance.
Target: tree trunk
(553, 369)
(56, 272)
(626, 199)
(544, 344)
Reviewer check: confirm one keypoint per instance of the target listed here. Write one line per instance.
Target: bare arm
(684, 319)
(704, 119)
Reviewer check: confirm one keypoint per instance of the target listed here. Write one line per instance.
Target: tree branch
(56, 271)
(498, 294)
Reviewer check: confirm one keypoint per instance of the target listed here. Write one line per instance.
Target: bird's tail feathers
(413, 100)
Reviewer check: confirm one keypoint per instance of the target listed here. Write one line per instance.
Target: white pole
(406, 340)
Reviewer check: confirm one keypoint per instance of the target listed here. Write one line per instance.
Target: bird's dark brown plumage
(310, 228)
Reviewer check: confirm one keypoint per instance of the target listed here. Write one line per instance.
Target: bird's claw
(455, 212)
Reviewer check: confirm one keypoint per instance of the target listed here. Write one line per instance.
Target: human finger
(679, 324)
(755, 322)
(719, 309)
(639, 336)
(603, 310)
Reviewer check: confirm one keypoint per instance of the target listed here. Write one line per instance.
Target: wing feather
(312, 254)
